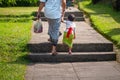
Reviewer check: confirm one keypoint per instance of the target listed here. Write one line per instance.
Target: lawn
(17, 10)
(104, 19)
(14, 36)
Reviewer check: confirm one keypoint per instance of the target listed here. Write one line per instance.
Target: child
(69, 33)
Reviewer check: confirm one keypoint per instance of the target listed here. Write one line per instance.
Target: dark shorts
(53, 30)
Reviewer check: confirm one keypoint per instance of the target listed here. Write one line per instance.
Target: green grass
(17, 14)
(14, 36)
(13, 49)
(12, 71)
(13, 39)
(104, 19)
(17, 10)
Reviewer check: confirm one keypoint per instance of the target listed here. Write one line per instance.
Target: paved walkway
(109, 70)
(74, 71)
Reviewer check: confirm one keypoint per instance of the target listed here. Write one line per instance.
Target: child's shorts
(68, 41)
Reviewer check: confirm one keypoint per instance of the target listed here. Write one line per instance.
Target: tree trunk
(95, 1)
(116, 5)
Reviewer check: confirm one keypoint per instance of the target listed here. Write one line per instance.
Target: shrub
(26, 2)
(95, 1)
(5, 3)
(9, 3)
(116, 5)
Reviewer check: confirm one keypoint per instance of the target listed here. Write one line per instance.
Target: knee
(54, 42)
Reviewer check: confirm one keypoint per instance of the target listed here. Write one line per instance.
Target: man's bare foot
(54, 51)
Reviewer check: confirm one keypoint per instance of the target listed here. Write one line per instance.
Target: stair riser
(38, 48)
(77, 14)
(72, 58)
(76, 19)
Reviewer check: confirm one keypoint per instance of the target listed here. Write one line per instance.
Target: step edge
(75, 53)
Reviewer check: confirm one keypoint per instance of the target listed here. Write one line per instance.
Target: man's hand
(38, 15)
(42, 4)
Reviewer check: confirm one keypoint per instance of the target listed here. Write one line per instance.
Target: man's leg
(53, 32)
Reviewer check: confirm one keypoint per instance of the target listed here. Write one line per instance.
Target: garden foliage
(114, 3)
(9, 3)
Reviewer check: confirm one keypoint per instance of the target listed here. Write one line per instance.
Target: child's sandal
(70, 52)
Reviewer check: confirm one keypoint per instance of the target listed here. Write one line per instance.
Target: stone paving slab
(84, 34)
(103, 78)
(74, 71)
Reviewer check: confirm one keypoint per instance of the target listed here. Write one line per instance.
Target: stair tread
(84, 34)
(74, 53)
(87, 39)
(75, 57)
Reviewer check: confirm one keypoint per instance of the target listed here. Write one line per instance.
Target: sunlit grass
(13, 39)
(13, 49)
(17, 10)
(104, 19)
(15, 33)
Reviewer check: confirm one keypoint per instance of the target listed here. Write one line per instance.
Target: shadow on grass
(106, 9)
(23, 60)
(115, 31)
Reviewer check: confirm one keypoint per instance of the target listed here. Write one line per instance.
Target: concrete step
(87, 40)
(76, 13)
(65, 18)
(78, 16)
(77, 47)
(89, 45)
(29, 18)
(74, 57)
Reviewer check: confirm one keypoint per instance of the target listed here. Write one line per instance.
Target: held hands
(62, 16)
(62, 19)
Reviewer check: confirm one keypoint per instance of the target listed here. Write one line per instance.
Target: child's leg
(70, 50)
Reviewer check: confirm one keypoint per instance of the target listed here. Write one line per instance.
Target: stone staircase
(88, 45)
(78, 14)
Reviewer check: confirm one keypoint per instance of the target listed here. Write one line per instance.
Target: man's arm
(42, 4)
(63, 9)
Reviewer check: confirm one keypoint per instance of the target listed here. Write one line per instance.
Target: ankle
(53, 49)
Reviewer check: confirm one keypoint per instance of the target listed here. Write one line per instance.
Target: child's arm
(74, 33)
(64, 21)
